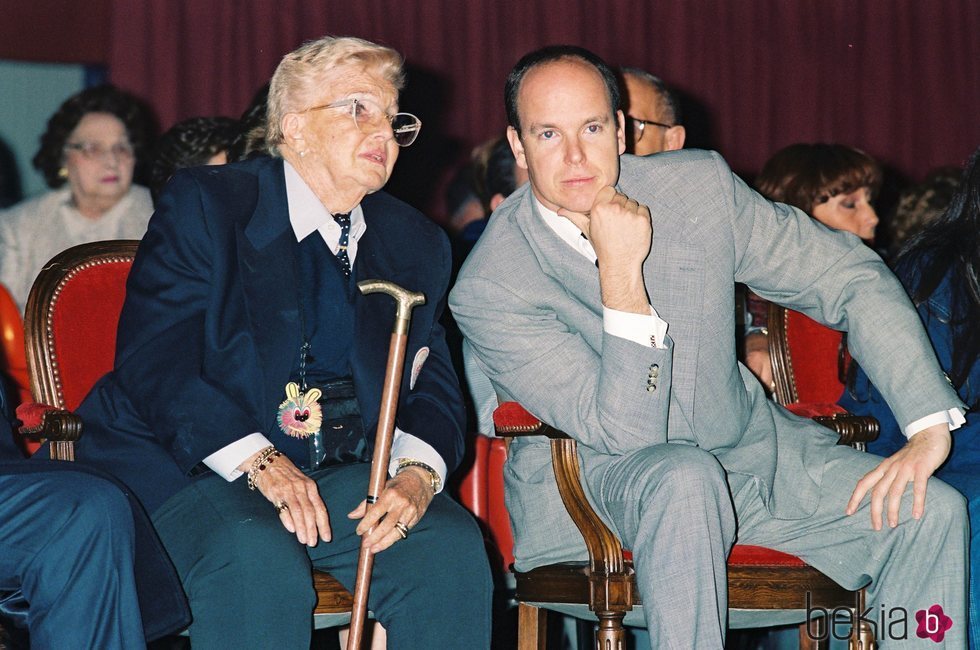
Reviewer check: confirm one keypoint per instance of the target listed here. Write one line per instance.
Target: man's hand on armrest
(914, 463)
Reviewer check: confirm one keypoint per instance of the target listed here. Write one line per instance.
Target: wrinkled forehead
(357, 80)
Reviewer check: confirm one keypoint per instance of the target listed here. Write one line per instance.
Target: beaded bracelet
(265, 458)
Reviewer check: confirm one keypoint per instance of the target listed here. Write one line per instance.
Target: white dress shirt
(306, 215)
(645, 330)
(640, 328)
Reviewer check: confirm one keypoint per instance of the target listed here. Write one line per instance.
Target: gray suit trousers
(674, 507)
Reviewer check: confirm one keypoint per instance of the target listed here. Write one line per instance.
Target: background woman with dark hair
(250, 140)
(88, 156)
(191, 143)
(833, 183)
(939, 268)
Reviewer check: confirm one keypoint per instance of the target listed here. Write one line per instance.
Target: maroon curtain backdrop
(898, 78)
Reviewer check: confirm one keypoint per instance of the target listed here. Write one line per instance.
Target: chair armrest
(511, 420)
(605, 550)
(854, 430)
(45, 422)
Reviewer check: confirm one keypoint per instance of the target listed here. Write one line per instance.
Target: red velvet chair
(809, 367)
(13, 363)
(809, 360)
(758, 578)
(481, 491)
(70, 327)
(12, 338)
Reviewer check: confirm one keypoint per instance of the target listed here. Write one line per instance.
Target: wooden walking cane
(407, 300)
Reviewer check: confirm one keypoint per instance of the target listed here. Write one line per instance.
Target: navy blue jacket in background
(161, 599)
(862, 398)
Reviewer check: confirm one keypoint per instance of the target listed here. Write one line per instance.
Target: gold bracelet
(265, 458)
(434, 481)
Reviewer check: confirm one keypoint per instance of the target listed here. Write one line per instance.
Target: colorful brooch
(300, 415)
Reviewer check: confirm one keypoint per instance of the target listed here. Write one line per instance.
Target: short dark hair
(500, 170)
(250, 141)
(806, 175)
(672, 107)
(189, 143)
(101, 99)
(493, 167)
(550, 54)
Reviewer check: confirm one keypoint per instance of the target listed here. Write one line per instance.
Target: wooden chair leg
(863, 640)
(610, 635)
(812, 637)
(532, 627)
(862, 634)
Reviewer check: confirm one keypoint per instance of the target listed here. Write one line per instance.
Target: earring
(63, 172)
(302, 154)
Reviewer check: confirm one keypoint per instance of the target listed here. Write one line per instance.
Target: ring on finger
(281, 507)
(402, 529)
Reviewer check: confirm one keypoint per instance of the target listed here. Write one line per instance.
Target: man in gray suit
(600, 297)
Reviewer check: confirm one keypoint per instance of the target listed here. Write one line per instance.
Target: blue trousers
(249, 583)
(66, 560)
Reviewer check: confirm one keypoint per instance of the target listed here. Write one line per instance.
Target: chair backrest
(809, 360)
(71, 318)
(481, 491)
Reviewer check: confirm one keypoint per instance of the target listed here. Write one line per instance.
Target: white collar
(307, 213)
(566, 230)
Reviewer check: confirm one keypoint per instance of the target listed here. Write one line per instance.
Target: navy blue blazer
(210, 328)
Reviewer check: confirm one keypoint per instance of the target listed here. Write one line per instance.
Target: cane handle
(407, 300)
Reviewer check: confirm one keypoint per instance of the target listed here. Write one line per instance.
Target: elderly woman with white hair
(249, 370)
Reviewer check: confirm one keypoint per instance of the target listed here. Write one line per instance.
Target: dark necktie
(587, 239)
(343, 220)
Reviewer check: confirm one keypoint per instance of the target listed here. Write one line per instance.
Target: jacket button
(651, 388)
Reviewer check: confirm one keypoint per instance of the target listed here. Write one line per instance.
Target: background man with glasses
(243, 330)
(653, 114)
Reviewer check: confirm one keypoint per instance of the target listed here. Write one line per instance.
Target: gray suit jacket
(530, 307)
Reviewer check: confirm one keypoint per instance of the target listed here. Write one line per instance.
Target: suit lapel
(267, 264)
(556, 257)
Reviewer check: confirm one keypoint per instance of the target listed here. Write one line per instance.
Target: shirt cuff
(647, 330)
(405, 445)
(226, 460)
(953, 417)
